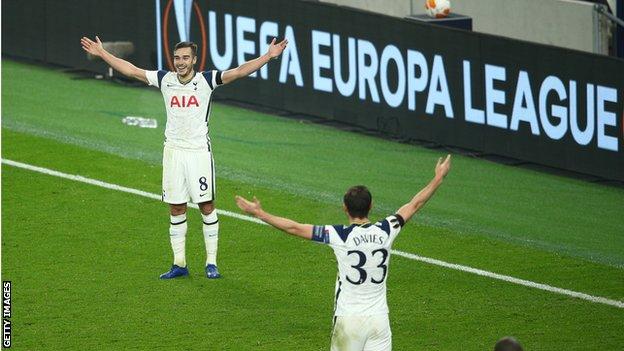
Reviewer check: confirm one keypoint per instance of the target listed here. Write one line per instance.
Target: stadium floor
(84, 260)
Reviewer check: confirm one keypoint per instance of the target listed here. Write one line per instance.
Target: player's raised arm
(95, 48)
(289, 226)
(419, 200)
(249, 67)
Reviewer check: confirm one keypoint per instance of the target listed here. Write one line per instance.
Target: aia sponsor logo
(183, 101)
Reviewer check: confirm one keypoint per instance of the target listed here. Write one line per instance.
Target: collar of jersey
(190, 80)
(363, 225)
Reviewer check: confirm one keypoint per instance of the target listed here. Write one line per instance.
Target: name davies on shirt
(368, 239)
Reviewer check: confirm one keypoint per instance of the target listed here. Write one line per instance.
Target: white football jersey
(363, 256)
(187, 105)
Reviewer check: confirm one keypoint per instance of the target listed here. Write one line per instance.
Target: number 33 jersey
(363, 256)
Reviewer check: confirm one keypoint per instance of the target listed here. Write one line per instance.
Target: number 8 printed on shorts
(202, 184)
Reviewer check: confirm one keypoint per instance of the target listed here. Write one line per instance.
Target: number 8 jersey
(363, 256)
(188, 107)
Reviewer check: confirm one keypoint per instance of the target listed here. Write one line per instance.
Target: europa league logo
(182, 10)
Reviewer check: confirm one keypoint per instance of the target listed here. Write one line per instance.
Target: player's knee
(177, 210)
(206, 208)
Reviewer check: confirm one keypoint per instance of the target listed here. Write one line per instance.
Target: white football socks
(177, 234)
(211, 236)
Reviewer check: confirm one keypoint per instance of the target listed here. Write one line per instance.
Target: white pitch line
(506, 278)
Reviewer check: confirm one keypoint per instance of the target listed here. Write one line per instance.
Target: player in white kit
(188, 167)
(362, 251)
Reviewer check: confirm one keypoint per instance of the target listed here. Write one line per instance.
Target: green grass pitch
(84, 260)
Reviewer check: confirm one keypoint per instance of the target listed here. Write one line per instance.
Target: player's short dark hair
(358, 201)
(507, 344)
(186, 44)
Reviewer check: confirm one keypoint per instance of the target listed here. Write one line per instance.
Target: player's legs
(380, 337)
(201, 180)
(211, 237)
(177, 233)
(176, 194)
(177, 237)
(349, 334)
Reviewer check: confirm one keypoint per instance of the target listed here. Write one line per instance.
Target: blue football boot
(174, 272)
(212, 272)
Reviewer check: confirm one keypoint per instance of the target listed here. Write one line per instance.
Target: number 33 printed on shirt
(363, 274)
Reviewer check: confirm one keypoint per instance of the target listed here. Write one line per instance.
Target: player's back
(363, 256)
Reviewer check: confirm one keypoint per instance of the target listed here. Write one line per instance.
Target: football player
(188, 167)
(362, 251)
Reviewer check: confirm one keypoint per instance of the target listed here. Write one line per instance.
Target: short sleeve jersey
(187, 105)
(363, 257)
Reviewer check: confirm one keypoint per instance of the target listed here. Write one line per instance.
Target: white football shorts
(357, 333)
(188, 175)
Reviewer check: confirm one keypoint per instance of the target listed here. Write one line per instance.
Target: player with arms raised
(188, 168)
(362, 251)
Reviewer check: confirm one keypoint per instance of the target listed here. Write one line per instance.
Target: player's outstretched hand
(443, 167)
(94, 48)
(276, 49)
(253, 208)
